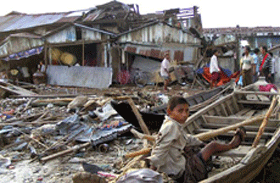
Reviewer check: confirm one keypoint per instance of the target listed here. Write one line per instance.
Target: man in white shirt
(214, 69)
(247, 62)
(164, 70)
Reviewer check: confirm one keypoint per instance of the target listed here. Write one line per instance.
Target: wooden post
(139, 118)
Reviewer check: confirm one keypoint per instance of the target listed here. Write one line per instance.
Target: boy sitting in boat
(174, 151)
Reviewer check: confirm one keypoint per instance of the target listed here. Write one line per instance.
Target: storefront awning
(24, 54)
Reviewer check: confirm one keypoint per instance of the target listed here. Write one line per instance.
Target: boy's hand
(153, 167)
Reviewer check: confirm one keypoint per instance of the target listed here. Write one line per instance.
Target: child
(173, 146)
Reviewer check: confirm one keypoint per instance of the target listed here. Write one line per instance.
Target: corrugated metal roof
(22, 21)
(241, 30)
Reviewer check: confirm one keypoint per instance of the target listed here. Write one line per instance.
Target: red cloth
(215, 76)
(267, 88)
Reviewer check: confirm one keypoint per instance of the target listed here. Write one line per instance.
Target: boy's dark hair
(248, 48)
(271, 54)
(214, 51)
(256, 50)
(176, 100)
(264, 48)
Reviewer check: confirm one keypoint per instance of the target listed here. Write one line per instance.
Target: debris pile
(80, 133)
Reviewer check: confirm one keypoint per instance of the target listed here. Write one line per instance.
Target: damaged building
(90, 48)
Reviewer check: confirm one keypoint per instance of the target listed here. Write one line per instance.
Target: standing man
(214, 69)
(256, 64)
(164, 70)
(271, 78)
(246, 63)
(266, 64)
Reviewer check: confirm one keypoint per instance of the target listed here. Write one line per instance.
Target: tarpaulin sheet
(225, 75)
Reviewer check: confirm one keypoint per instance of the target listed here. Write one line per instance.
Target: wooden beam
(256, 92)
(231, 133)
(248, 128)
(243, 111)
(254, 102)
(224, 109)
(223, 119)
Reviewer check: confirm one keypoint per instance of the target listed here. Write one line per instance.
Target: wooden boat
(154, 117)
(245, 105)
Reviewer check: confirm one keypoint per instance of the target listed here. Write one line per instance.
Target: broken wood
(138, 116)
(138, 153)
(35, 140)
(142, 136)
(61, 153)
(264, 123)
(15, 89)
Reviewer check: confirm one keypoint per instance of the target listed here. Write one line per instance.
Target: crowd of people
(253, 64)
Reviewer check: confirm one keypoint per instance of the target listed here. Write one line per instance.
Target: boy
(170, 155)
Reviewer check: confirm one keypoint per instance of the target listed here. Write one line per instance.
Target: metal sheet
(91, 77)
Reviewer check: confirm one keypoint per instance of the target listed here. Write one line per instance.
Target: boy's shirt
(165, 64)
(167, 154)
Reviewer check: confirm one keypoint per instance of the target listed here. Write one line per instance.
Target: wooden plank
(229, 108)
(218, 111)
(224, 109)
(233, 119)
(243, 111)
(250, 113)
(248, 128)
(263, 98)
(256, 92)
(254, 102)
(252, 97)
(15, 89)
(231, 133)
(235, 103)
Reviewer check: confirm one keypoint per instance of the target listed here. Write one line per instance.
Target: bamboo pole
(264, 123)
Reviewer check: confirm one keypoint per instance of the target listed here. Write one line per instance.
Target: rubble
(48, 137)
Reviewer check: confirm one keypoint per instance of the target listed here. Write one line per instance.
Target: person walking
(164, 70)
(214, 69)
(246, 63)
(256, 65)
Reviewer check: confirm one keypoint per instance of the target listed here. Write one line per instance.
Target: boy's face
(180, 113)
